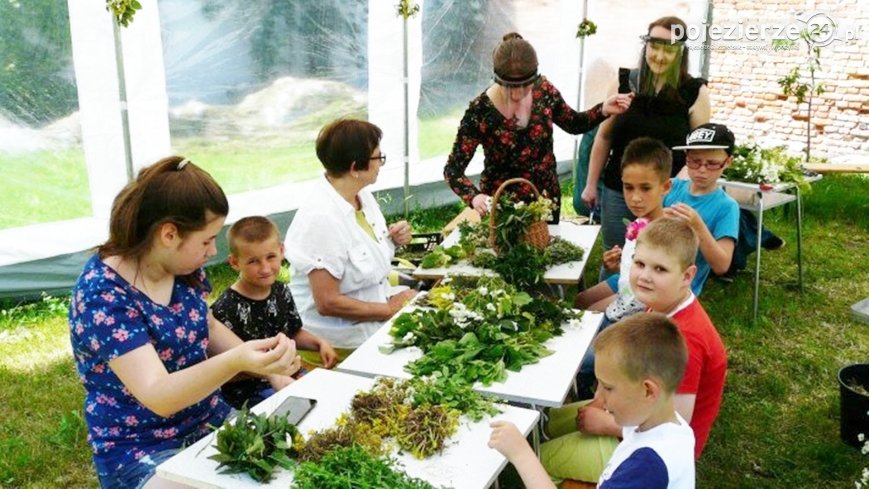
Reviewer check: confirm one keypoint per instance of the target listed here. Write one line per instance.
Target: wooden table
(467, 461)
(569, 273)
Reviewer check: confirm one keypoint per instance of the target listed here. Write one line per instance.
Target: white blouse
(325, 235)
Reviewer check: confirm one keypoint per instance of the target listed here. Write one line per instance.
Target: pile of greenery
(511, 257)
(353, 467)
(476, 329)
(257, 444)
(754, 164)
(420, 414)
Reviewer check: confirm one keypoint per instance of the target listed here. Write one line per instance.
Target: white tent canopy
(242, 87)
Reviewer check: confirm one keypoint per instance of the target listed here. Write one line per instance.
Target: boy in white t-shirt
(639, 363)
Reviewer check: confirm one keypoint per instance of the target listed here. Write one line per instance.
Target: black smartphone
(295, 408)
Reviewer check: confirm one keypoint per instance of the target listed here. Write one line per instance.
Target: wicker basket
(537, 234)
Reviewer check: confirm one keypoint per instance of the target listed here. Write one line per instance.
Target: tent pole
(406, 123)
(579, 90)
(122, 98)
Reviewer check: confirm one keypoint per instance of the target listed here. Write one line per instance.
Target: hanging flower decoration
(586, 28)
(123, 10)
(407, 9)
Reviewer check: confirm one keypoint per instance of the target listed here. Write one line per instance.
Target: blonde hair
(253, 229)
(647, 345)
(673, 235)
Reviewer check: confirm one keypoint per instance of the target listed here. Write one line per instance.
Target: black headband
(661, 40)
(515, 81)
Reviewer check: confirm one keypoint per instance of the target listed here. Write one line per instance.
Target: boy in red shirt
(661, 278)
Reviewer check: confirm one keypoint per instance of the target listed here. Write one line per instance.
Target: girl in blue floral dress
(149, 354)
(513, 121)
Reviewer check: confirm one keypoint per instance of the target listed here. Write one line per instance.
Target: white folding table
(759, 198)
(466, 462)
(569, 273)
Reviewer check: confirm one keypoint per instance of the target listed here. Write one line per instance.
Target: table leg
(799, 237)
(538, 430)
(757, 264)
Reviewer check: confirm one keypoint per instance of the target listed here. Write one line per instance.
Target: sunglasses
(695, 163)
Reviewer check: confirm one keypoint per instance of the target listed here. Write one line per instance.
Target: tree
(324, 38)
(795, 83)
(36, 61)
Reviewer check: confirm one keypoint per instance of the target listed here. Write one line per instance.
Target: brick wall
(744, 86)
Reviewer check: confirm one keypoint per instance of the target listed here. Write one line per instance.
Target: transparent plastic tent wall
(241, 88)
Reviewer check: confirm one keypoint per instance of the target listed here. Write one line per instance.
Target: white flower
(483, 291)
(289, 438)
(490, 306)
(519, 205)
(861, 437)
(408, 337)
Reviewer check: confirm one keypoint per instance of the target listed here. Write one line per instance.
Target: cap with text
(710, 136)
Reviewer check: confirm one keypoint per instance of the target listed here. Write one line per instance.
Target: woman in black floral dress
(513, 121)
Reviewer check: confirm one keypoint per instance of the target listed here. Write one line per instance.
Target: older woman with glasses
(339, 246)
(513, 122)
(669, 103)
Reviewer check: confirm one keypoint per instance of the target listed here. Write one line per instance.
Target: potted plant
(854, 404)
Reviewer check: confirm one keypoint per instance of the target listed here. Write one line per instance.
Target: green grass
(239, 168)
(43, 187)
(46, 186)
(778, 426)
(440, 132)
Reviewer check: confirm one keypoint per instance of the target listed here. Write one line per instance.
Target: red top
(706, 370)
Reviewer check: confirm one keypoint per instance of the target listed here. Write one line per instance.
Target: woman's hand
(400, 233)
(269, 356)
(617, 103)
(278, 382)
(480, 203)
(397, 301)
(589, 196)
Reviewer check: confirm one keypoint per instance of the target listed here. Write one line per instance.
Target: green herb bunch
(257, 444)
(513, 218)
(353, 467)
(754, 164)
(477, 333)
(586, 28)
(425, 429)
(421, 429)
(419, 414)
(520, 264)
(451, 393)
(123, 10)
(347, 432)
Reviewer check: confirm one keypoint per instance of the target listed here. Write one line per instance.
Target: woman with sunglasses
(669, 103)
(339, 246)
(513, 122)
